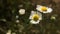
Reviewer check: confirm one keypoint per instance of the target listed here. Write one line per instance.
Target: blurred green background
(9, 10)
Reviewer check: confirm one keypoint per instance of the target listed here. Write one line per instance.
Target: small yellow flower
(35, 17)
(44, 9)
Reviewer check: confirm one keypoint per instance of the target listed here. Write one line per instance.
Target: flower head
(44, 9)
(35, 17)
(22, 11)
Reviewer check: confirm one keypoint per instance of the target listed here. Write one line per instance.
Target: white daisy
(22, 11)
(44, 9)
(35, 17)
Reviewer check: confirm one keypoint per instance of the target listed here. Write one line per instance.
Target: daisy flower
(22, 11)
(35, 17)
(44, 9)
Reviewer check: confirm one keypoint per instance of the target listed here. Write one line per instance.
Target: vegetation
(9, 10)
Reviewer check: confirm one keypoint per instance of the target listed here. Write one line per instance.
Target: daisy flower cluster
(36, 16)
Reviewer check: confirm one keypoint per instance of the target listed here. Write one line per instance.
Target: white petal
(40, 15)
(39, 8)
(34, 22)
(49, 10)
(40, 18)
(38, 5)
(32, 13)
(45, 12)
(30, 17)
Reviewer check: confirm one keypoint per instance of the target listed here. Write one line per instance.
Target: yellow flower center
(35, 17)
(44, 8)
